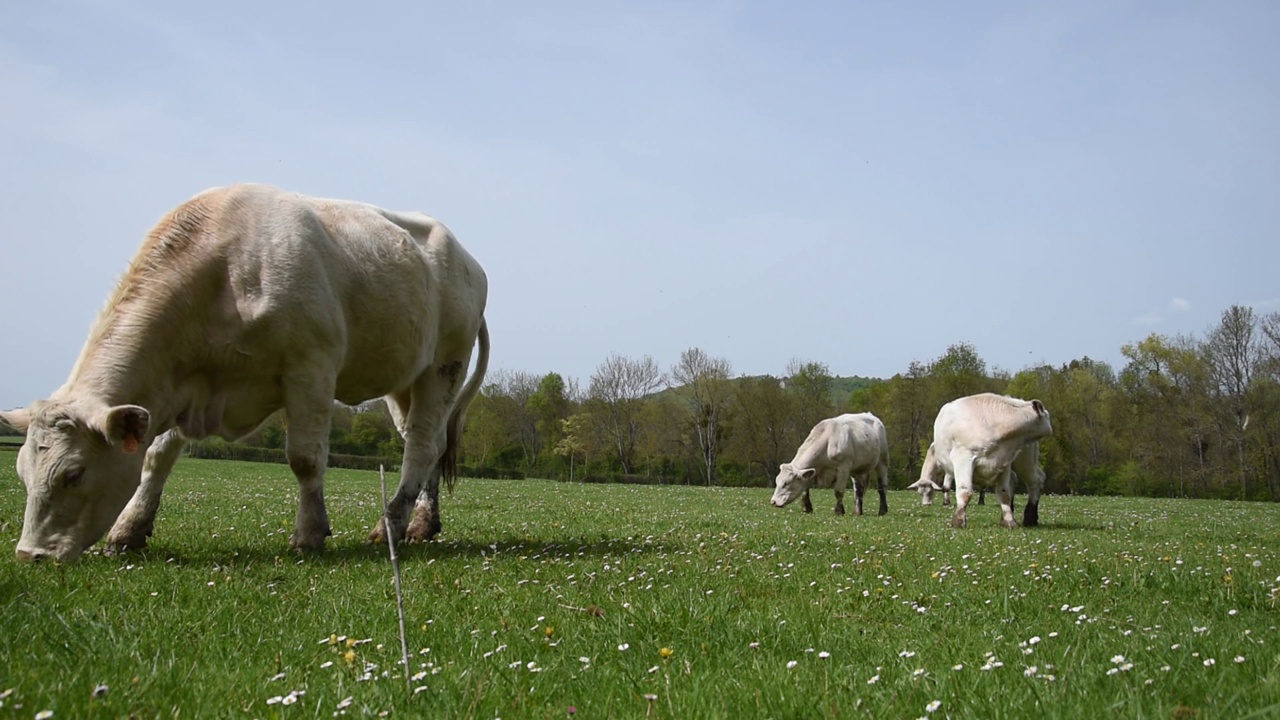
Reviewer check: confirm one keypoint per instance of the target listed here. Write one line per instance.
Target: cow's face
(791, 484)
(926, 488)
(80, 465)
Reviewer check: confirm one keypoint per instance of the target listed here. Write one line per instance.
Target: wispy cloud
(1179, 304)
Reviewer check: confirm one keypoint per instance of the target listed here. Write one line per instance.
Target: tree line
(1185, 416)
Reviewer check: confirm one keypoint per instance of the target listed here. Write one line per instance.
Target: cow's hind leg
(859, 490)
(431, 401)
(425, 523)
(1031, 513)
(1005, 493)
(137, 522)
(309, 410)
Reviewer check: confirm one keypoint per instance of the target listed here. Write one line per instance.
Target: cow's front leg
(839, 484)
(308, 409)
(137, 522)
(808, 506)
(964, 490)
(882, 479)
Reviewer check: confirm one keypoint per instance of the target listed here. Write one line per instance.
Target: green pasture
(546, 599)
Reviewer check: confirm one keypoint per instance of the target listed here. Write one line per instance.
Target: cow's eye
(73, 477)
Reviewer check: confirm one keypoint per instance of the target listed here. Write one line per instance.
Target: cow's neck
(133, 367)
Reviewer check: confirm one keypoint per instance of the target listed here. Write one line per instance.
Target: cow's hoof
(421, 530)
(379, 534)
(308, 543)
(957, 522)
(1031, 516)
(884, 511)
(117, 544)
(1010, 523)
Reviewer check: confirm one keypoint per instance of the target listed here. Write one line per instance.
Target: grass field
(548, 600)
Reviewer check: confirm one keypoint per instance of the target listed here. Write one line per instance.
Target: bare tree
(619, 385)
(1231, 350)
(703, 383)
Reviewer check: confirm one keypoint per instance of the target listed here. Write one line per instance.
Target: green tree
(809, 382)
(762, 416)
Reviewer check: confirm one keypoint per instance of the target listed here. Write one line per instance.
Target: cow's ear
(1038, 406)
(126, 426)
(17, 419)
(784, 467)
(808, 473)
(915, 485)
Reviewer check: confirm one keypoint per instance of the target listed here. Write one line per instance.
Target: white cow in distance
(978, 440)
(241, 301)
(851, 445)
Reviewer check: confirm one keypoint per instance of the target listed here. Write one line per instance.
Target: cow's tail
(453, 438)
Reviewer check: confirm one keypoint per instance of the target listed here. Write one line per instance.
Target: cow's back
(990, 427)
(242, 286)
(345, 278)
(859, 438)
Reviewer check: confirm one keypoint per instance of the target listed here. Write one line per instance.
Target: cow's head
(81, 463)
(926, 487)
(1043, 426)
(791, 484)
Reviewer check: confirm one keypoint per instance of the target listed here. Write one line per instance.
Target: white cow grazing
(1026, 466)
(976, 440)
(849, 445)
(932, 479)
(241, 301)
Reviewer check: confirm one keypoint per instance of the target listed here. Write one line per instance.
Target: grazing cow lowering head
(932, 479)
(791, 484)
(80, 464)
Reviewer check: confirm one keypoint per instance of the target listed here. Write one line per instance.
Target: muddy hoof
(422, 530)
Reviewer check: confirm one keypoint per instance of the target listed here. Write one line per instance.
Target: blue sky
(861, 184)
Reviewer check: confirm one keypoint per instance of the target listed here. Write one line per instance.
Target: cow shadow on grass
(345, 552)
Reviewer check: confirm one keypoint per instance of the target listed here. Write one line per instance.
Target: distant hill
(841, 387)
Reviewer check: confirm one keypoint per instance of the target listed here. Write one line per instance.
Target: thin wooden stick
(395, 571)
